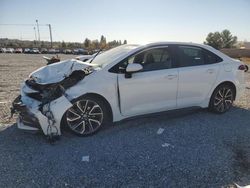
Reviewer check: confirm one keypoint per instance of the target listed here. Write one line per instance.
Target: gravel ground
(196, 148)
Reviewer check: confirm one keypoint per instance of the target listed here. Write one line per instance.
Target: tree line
(216, 39)
(86, 44)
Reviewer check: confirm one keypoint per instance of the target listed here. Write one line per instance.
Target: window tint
(211, 58)
(190, 56)
(193, 56)
(153, 59)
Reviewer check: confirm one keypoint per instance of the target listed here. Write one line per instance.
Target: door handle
(210, 71)
(171, 76)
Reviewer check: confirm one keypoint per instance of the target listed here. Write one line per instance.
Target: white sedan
(127, 81)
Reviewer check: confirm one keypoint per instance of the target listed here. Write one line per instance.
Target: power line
(23, 24)
(34, 25)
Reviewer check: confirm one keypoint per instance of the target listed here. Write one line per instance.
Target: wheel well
(105, 101)
(231, 84)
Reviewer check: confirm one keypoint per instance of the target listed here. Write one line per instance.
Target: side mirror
(132, 68)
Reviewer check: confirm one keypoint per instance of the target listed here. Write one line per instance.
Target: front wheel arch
(100, 97)
(94, 97)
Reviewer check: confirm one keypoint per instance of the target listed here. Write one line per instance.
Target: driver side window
(152, 59)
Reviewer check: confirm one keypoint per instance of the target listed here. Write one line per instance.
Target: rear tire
(86, 116)
(246, 68)
(222, 99)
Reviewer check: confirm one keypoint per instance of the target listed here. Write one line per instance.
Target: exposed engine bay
(43, 94)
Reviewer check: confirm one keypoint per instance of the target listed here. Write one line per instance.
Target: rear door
(198, 70)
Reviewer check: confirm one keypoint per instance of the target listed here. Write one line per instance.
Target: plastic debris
(167, 145)
(160, 131)
(85, 158)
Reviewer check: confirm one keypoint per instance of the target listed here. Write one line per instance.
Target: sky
(137, 21)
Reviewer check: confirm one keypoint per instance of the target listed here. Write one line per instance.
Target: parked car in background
(127, 81)
(18, 50)
(44, 51)
(26, 50)
(34, 51)
(80, 51)
(67, 51)
(9, 50)
(75, 51)
(52, 51)
(2, 50)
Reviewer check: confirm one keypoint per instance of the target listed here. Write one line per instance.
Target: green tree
(42, 44)
(95, 45)
(221, 40)
(125, 42)
(63, 44)
(228, 39)
(87, 43)
(214, 40)
(103, 42)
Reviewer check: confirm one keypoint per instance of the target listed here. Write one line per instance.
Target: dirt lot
(196, 148)
(246, 60)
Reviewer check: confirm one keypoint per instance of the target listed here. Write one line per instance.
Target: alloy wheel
(223, 99)
(84, 117)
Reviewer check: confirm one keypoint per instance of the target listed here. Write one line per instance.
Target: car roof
(154, 44)
(176, 43)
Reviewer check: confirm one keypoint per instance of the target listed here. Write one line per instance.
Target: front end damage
(42, 103)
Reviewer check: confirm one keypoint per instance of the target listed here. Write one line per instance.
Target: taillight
(242, 67)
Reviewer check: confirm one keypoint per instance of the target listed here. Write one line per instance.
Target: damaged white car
(127, 81)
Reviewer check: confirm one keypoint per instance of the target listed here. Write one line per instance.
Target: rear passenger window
(194, 56)
(190, 56)
(211, 58)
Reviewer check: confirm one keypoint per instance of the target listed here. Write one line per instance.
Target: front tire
(222, 99)
(86, 116)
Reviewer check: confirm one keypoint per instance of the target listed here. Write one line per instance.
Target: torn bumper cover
(31, 118)
(26, 119)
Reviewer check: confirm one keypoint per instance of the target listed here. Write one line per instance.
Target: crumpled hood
(58, 71)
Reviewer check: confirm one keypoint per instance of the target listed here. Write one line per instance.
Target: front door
(154, 88)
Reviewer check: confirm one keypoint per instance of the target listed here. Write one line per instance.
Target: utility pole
(35, 36)
(35, 33)
(38, 30)
(50, 32)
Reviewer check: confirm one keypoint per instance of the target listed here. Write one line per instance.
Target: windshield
(109, 56)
